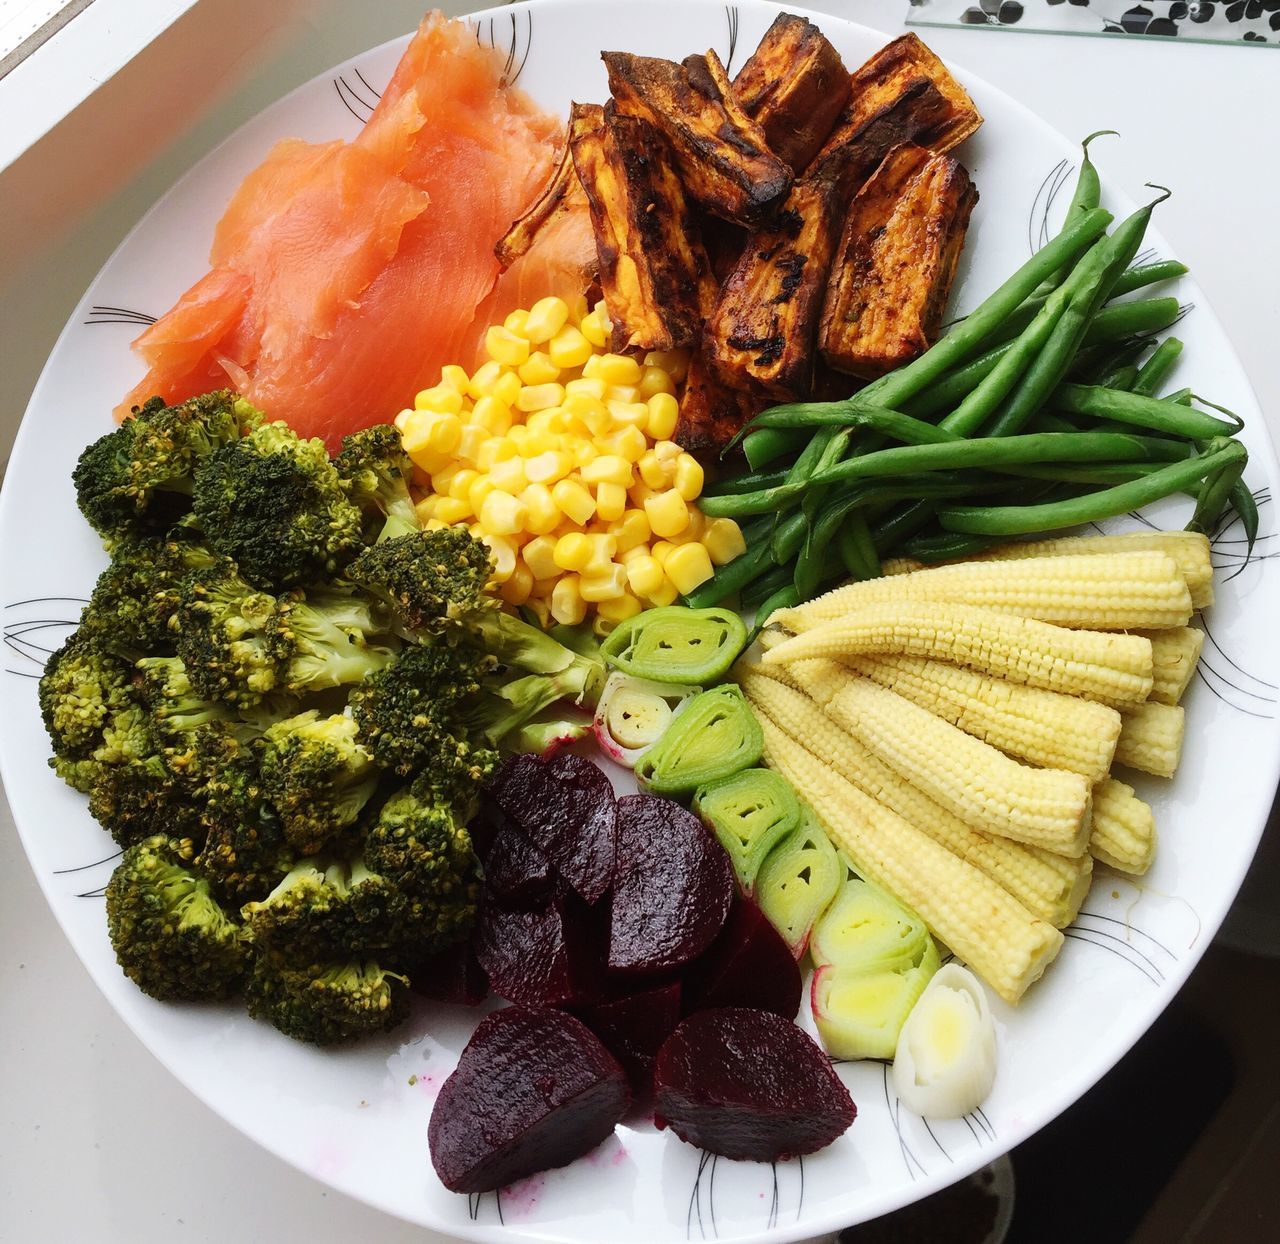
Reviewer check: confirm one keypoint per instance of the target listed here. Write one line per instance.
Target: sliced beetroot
(541, 956)
(516, 871)
(748, 1084)
(534, 1089)
(565, 807)
(450, 975)
(672, 888)
(749, 964)
(484, 826)
(634, 1027)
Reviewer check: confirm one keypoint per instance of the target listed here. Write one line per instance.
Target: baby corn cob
(1041, 727)
(1151, 738)
(1112, 669)
(1190, 549)
(981, 922)
(1173, 655)
(986, 789)
(1047, 885)
(1120, 592)
(1124, 828)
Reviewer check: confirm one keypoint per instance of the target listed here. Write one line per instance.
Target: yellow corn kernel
(451, 509)
(688, 566)
(583, 450)
(566, 423)
(539, 369)
(502, 514)
(460, 484)
(611, 501)
(609, 584)
(664, 412)
(693, 531)
(603, 548)
(589, 408)
(473, 436)
(538, 442)
(545, 319)
(540, 607)
(609, 469)
(668, 453)
(689, 476)
(668, 513)
(654, 380)
(593, 329)
(628, 414)
(539, 556)
(619, 608)
(644, 574)
(542, 420)
(503, 552)
(585, 385)
(402, 419)
(443, 398)
(665, 595)
(724, 540)
(628, 443)
(507, 388)
(485, 377)
(547, 467)
(518, 435)
(509, 476)
(425, 509)
(651, 470)
(573, 551)
(542, 513)
(455, 377)
(435, 524)
(661, 548)
(613, 369)
(506, 347)
(630, 529)
(432, 432)
(480, 488)
(640, 492)
(492, 414)
(567, 604)
(441, 481)
(495, 449)
(540, 396)
(515, 591)
(674, 362)
(516, 322)
(628, 393)
(575, 502)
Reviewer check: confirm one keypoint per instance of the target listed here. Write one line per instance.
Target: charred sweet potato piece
(654, 272)
(723, 156)
(562, 194)
(794, 85)
(895, 263)
(763, 332)
(903, 94)
(711, 413)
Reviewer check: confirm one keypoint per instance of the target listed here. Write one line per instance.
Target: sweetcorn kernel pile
(557, 453)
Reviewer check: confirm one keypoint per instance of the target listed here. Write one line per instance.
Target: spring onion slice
(750, 813)
(945, 1062)
(677, 644)
(716, 735)
(634, 713)
(866, 929)
(797, 880)
(860, 1013)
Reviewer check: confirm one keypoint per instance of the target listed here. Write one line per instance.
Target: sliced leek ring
(677, 644)
(749, 812)
(715, 735)
(945, 1061)
(634, 713)
(797, 881)
(866, 929)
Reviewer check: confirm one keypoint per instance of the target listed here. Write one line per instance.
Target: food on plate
(892, 273)
(1124, 828)
(634, 713)
(711, 412)
(634, 1026)
(945, 1062)
(797, 880)
(653, 268)
(677, 645)
(1174, 655)
(715, 736)
(533, 1089)
(748, 1084)
(539, 955)
(749, 812)
(1150, 738)
(515, 870)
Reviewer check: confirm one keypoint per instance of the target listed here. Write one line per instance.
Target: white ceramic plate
(352, 1118)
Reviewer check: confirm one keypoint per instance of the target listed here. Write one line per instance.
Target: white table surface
(97, 1141)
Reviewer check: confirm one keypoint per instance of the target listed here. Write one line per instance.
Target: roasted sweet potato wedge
(563, 194)
(794, 85)
(763, 332)
(896, 261)
(654, 272)
(711, 413)
(903, 94)
(724, 159)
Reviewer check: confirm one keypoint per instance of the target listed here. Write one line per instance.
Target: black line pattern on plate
(731, 15)
(475, 1202)
(517, 42)
(352, 101)
(1042, 204)
(1133, 945)
(18, 632)
(119, 315)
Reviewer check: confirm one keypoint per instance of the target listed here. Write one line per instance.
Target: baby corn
(1151, 738)
(1174, 655)
(1124, 828)
(980, 921)
(1111, 669)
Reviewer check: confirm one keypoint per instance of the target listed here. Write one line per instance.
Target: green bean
(1046, 421)
(1087, 195)
(1180, 396)
(732, 577)
(1215, 495)
(784, 598)
(766, 585)
(944, 547)
(1147, 274)
(1121, 379)
(853, 543)
(1159, 414)
(1102, 473)
(768, 445)
(1151, 375)
(1105, 503)
(890, 423)
(748, 482)
(1245, 505)
(901, 524)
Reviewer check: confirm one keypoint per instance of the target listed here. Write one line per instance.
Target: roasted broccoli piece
(329, 631)
(317, 775)
(138, 478)
(177, 708)
(274, 503)
(376, 471)
(170, 936)
(326, 1003)
(139, 799)
(83, 687)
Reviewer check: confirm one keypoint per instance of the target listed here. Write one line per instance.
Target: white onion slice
(945, 1062)
(634, 713)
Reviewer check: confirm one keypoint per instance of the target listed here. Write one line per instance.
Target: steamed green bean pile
(1037, 411)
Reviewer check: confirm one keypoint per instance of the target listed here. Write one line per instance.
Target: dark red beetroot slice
(748, 1084)
(450, 975)
(566, 808)
(534, 1089)
(672, 888)
(633, 1028)
(543, 956)
(515, 870)
(749, 964)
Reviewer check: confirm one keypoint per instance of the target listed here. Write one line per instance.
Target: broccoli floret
(138, 478)
(245, 853)
(82, 689)
(170, 936)
(139, 799)
(376, 471)
(317, 775)
(177, 708)
(274, 503)
(326, 1003)
(329, 632)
